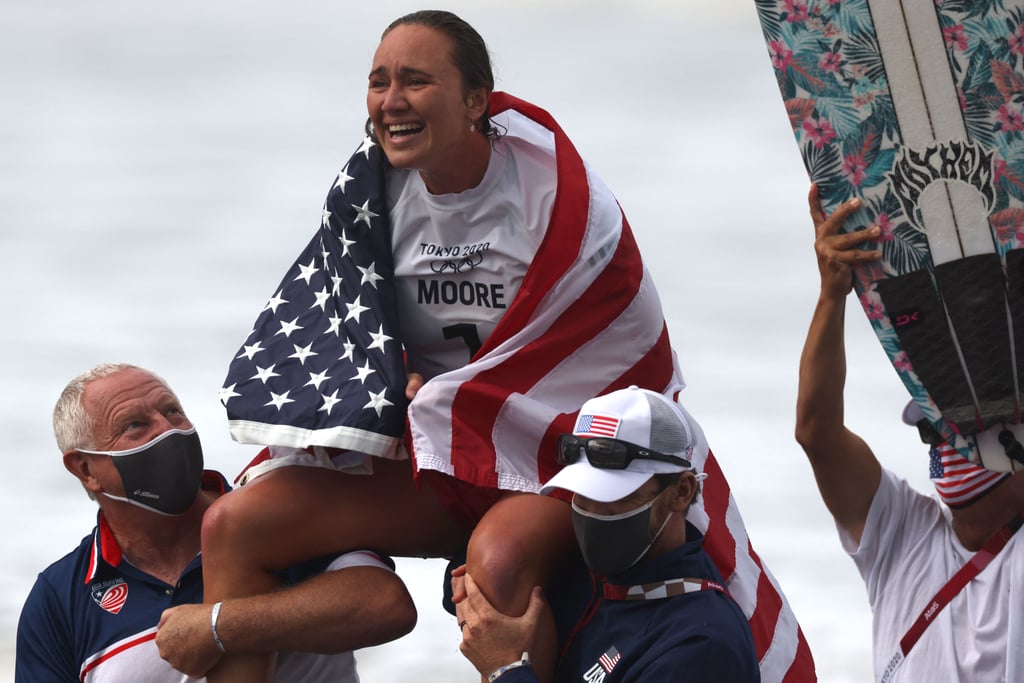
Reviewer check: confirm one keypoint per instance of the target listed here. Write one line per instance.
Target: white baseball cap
(912, 414)
(641, 417)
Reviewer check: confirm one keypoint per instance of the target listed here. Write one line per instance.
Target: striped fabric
(586, 320)
(958, 480)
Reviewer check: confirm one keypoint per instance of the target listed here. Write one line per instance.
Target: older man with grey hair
(94, 614)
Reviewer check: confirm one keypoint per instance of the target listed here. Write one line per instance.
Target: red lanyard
(948, 592)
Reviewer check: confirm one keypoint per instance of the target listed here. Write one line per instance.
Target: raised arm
(844, 466)
(332, 612)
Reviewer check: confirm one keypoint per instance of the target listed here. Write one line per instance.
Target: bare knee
(266, 525)
(518, 544)
(245, 530)
(499, 563)
(223, 524)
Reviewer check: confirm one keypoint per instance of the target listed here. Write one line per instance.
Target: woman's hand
(413, 382)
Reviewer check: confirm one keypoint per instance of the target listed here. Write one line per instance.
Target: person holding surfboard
(941, 579)
(471, 285)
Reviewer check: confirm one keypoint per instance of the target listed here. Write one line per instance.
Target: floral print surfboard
(917, 108)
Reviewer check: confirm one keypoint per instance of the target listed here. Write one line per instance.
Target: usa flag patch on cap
(596, 425)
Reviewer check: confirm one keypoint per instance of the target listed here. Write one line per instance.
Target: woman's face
(418, 108)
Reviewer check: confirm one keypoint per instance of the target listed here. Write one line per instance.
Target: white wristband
(497, 673)
(214, 613)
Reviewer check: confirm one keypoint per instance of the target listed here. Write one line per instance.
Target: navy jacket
(696, 637)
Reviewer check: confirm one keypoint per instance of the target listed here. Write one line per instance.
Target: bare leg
(297, 513)
(520, 543)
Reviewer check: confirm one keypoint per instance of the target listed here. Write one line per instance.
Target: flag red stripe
(802, 668)
(655, 369)
(765, 619)
(718, 539)
(472, 451)
(569, 213)
(478, 401)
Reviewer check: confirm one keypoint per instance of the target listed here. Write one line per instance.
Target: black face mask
(611, 544)
(162, 476)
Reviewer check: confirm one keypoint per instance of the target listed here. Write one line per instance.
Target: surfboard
(917, 108)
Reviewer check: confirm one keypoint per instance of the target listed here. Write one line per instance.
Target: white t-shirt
(460, 258)
(304, 667)
(908, 552)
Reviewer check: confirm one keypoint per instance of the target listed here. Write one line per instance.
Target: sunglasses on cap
(609, 454)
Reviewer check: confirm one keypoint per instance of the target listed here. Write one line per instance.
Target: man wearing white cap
(655, 608)
(944, 574)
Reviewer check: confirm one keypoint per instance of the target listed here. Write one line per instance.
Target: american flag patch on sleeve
(609, 659)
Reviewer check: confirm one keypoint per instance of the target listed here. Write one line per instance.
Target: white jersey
(908, 551)
(460, 258)
(305, 667)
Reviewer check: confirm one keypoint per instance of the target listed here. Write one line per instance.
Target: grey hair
(72, 425)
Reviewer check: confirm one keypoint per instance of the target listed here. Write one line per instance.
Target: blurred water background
(162, 163)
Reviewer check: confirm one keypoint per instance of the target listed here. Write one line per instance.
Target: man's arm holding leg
(494, 642)
(332, 612)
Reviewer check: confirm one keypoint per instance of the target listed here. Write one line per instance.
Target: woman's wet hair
(469, 55)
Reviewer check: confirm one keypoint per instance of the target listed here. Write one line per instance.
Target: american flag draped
(586, 320)
(323, 364)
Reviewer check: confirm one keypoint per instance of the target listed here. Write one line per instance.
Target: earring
(472, 128)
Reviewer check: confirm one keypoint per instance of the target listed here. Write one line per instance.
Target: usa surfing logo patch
(111, 595)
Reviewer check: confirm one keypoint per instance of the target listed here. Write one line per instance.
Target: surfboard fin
(970, 378)
(920, 322)
(974, 292)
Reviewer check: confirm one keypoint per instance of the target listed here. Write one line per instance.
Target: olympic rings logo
(466, 263)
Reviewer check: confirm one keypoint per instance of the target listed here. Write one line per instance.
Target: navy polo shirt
(90, 615)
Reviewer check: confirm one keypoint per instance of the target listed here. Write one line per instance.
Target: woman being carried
(467, 217)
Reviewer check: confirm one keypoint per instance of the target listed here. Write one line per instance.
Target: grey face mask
(161, 476)
(611, 544)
